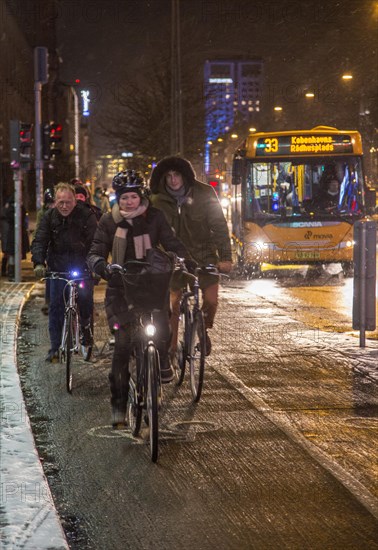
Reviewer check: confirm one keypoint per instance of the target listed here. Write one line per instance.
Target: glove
(190, 265)
(101, 269)
(39, 271)
(225, 267)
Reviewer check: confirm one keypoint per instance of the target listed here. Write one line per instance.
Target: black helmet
(48, 196)
(128, 181)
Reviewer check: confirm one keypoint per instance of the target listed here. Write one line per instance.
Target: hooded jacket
(199, 220)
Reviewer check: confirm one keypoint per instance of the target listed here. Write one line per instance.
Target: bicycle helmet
(48, 196)
(128, 181)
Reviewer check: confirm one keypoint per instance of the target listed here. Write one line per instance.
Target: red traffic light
(214, 183)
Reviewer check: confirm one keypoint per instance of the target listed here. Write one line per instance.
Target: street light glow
(310, 94)
(234, 136)
(347, 76)
(253, 129)
(278, 108)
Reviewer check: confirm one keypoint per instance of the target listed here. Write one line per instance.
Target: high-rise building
(232, 92)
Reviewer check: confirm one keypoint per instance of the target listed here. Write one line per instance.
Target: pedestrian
(101, 200)
(61, 243)
(8, 237)
(193, 210)
(131, 231)
(83, 194)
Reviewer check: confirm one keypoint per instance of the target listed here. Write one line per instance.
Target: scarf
(142, 241)
(180, 195)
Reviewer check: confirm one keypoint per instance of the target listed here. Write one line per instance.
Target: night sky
(303, 43)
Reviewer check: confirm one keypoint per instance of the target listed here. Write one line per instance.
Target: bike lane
(28, 516)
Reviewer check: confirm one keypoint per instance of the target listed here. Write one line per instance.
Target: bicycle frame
(71, 306)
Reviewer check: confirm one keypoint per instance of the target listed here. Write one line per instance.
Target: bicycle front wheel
(152, 399)
(135, 399)
(71, 331)
(197, 354)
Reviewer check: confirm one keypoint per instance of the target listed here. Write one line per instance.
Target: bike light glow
(150, 330)
(75, 273)
(81, 284)
(116, 326)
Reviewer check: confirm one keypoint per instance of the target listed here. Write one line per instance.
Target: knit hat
(81, 190)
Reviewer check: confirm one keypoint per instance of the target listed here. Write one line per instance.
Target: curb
(30, 519)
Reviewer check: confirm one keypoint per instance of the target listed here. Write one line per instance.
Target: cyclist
(193, 210)
(61, 242)
(128, 232)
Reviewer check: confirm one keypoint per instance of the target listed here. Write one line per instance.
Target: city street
(281, 451)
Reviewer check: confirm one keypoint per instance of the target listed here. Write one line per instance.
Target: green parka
(199, 222)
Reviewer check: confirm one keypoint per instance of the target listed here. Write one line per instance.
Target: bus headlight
(349, 244)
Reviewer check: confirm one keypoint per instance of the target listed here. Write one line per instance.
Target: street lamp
(347, 76)
(278, 108)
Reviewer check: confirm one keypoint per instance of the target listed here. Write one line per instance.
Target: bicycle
(145, 387)
(191, 344)
(71, 340)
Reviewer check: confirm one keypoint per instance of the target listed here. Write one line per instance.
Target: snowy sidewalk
(28, 516)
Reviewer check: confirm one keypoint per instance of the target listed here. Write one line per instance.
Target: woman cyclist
(128, 232)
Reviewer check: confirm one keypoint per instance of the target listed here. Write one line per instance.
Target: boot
(10, 272)
(4, 261)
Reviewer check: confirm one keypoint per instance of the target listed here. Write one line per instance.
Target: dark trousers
(56, 308)
(124, 342)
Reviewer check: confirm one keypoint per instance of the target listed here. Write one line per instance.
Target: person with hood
(62, 241)
(193, 210)
(131, 231)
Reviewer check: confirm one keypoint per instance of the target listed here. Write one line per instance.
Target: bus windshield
(303, 188)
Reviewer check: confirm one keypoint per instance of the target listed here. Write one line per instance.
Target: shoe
(118, 420)
(45, 309)
(166, 373)
(52, 356)
(86, 338)
(208, 344)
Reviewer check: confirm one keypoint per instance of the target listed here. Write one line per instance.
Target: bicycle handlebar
(66, 276)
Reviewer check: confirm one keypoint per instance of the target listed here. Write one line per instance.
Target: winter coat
(199, 222)
(160, 234)
(63, 242)
(7, 230)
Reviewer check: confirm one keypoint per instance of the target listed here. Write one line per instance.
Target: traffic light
(46, 153)
(55, 139)
(26, 142)
(215, 184)
(21, 144)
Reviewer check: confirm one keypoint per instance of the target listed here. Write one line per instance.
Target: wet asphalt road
(281, 452)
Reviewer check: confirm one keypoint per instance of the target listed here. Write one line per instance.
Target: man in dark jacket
(193, 210)
(62, 242)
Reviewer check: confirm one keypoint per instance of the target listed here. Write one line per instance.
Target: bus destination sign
(303, 144)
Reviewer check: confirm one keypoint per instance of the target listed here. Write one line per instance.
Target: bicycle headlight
(150, 330)
(75, 273)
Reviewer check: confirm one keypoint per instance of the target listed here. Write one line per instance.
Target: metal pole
(38, 145)
(17, 177)
(76, 137)
(362, 285)
(179, 97)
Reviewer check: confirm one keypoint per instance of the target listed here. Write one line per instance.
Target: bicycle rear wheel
(152, 400)
(197, 354)
(135, 399)
(70, 327)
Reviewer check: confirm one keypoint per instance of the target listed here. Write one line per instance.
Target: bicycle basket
(149, 289)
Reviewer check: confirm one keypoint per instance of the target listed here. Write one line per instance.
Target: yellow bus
(280, 210)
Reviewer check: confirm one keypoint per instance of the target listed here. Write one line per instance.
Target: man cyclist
(193, 210)
(61, 242)
(129, 232)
